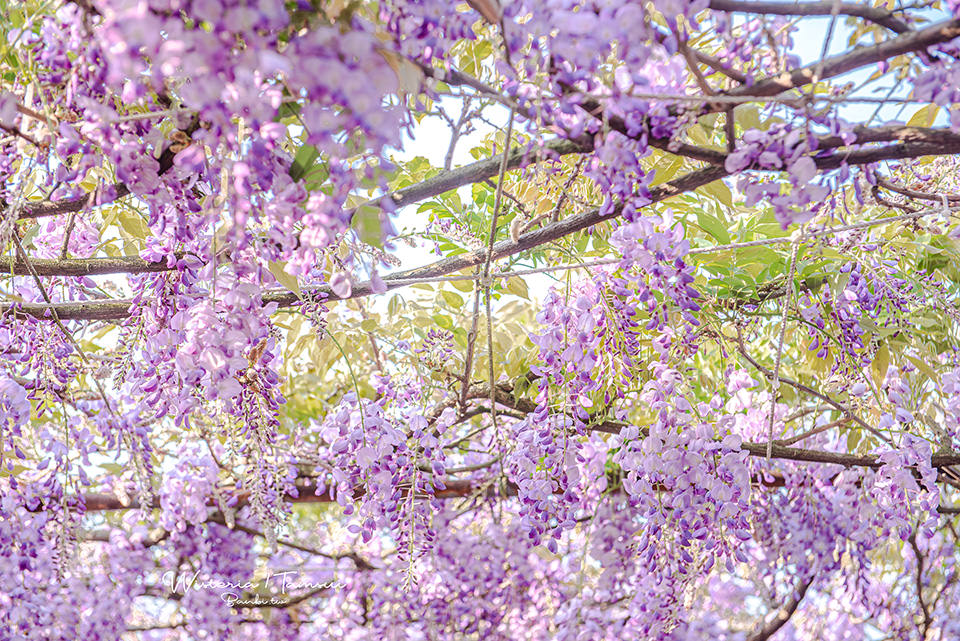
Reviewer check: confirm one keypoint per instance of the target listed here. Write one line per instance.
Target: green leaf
(452, 299)
(393, 307)
(518, 287)
(463, 285)
(666, 170)
(316, 177)
(133, 224)
(713, 226)
(286, 280)
(414, 170)
(443, 321)
(924, 117)
(366, 221)
(719, 191)
(288, 109)
(880, 364)
(747, 116)
(17, 469)
(924, 367)
(303, 161)
(853, 439)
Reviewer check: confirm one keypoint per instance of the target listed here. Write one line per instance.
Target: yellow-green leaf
(366, 220)
(134, 225)
(286, 280)
(924, 367)
(443, 321)
(880, 364)
(518, 287)
(452, 299)
(713, 226)
(924, 117)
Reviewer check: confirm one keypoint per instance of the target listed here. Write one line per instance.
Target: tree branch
(71, 205)
(87, 266)
(359, 561)
(111, 310)
(305, 493)
(922, 141)
(947, 143)
(805, 388)
(833, 66)
(474, 173)
(785, 612)
(918, 583)
(872, 14)
(755, 449)
(912, 193)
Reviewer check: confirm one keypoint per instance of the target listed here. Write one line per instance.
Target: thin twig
(809, 390)
(787, 301)
(71, 221)
(497, 204)
(812, 432)
(359, 561)
(53, 311)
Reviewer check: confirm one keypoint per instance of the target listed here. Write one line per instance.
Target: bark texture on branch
(839, 64)
(785, 612)
(73, 205)
(86, 266)
(876, 15)
(476, 172)
(115, 310)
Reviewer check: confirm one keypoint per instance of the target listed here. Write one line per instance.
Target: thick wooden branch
(616, 123)
(897, 151)
(113, 310)
(565, 227)
(833, 66)
(434, 186)
(306, 488)
(803, 455)
(86, 266)
(876, 15)
(781, 452)
(785, 612)
(305, 494)
(937, 140)
(476, 172)
(72, 205)
(442, 182)
(893, 133)
(919, 195)
(110, 310)
(464, 488)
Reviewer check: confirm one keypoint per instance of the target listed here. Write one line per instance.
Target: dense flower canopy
(523, 320)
